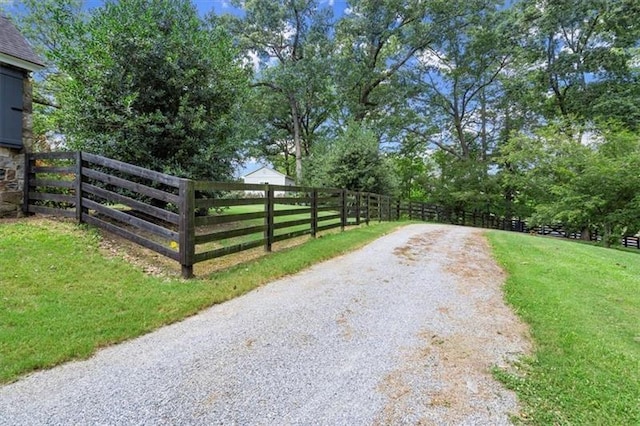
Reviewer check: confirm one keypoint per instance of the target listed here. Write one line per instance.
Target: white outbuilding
(266, 175)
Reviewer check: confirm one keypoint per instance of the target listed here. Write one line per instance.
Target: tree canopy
(523, 108)
(150, 83)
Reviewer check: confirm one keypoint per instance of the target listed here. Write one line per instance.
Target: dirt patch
(479, 333)
(146, 260)
(418, 246)
(345, 326)
(155, 264)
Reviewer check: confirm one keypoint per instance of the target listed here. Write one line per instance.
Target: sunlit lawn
(583, 305)
(61, 298)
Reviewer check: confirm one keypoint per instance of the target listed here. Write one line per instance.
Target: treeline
(524, 109)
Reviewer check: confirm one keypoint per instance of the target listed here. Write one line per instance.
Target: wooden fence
(193, 221)
(185, 220)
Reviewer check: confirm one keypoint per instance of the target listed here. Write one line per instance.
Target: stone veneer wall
(12, 161)
(11, 182)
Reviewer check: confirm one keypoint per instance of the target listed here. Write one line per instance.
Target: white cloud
(431, 59)
(252, 59)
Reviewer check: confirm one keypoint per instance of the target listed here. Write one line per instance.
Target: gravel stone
(403, 331)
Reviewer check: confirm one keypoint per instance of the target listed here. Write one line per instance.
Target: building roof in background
(269, 169)
(14, 49)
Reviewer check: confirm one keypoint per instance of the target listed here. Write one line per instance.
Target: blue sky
(224, 6)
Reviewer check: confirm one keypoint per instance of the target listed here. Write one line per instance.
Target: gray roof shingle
(12, 43)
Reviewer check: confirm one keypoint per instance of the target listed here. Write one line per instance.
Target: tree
(580, 52)
(584, 186)
(457, 77)
(289, 45)
(376, 40)
(456, 111)
(147, 82)
(353, 161)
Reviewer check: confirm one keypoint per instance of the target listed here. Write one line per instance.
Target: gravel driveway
(402, 331)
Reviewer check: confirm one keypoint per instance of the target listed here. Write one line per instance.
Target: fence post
(187, 226)
(78, 186)
(343, 209)
(389, 215)
(314, 212)
(358, 208)
(367, 217)
(398, 210)
(422, 217)
(268, 217)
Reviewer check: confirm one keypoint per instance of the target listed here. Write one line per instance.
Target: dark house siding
(11, 87)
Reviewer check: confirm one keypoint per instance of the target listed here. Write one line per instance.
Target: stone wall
(11, 182)
(12, 161)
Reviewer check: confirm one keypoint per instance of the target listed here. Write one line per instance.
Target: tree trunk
(295, 118)
(585, 234)
(483, 129)
(606, 236)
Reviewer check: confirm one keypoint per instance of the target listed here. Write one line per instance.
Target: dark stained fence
(51, 184)
(236, 217)
(138, 204)
(633, 242)
(194, 221)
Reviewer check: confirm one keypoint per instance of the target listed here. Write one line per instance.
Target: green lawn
(257, 222)
(61, 299)
(583, 305)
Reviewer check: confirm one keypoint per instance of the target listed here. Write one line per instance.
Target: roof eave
(268, 168)
(20, 63)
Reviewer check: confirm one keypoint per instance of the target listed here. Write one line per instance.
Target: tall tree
(456, 111)
(457, 79)
(376, 40)
(580, 52)
(147, 82)
(288, 42)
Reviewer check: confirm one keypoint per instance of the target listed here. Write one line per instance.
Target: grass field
(257, 222)
(62, 298)
(583, 305)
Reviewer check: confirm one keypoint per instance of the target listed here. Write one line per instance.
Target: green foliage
(583, 306)
(414, 174)
(288, 45)
(582, 50)
(353, 161)
(148, 83)
(375, 42)
(463, 185)
(58, 305)
(584, 186)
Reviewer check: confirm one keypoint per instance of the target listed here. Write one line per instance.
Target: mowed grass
(253, 208)
(61, 298)
(583, 305)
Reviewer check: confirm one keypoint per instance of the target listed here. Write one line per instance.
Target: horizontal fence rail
(194, 221)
